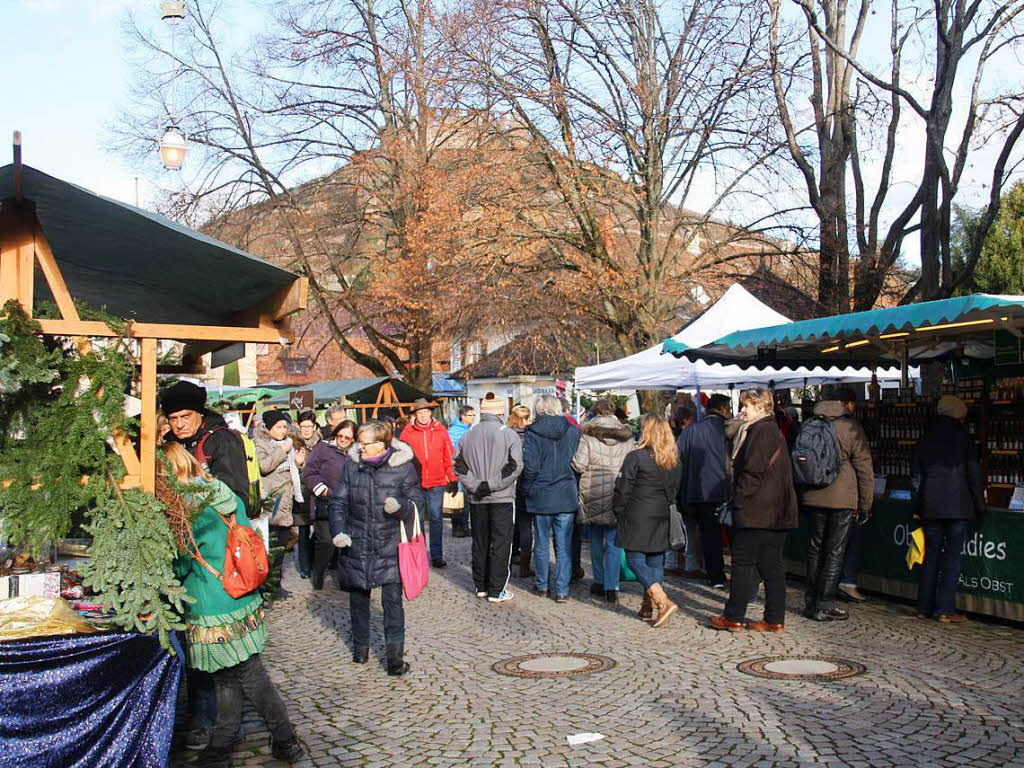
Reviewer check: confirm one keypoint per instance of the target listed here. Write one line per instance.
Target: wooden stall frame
(23, 245)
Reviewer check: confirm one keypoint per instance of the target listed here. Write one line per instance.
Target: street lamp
(172, 148)
(172, 143)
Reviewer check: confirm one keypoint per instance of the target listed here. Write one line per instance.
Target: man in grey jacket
(489, 460)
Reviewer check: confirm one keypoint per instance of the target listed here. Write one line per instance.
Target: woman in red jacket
(432, 448)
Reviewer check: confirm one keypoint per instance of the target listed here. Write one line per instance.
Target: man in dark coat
(549, 445)
(832, 509)
(705, 485)
(949, 492)
(207, 437)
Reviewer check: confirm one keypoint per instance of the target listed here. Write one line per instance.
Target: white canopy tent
(737, 310)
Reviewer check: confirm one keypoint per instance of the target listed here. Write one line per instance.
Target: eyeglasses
(372, 442)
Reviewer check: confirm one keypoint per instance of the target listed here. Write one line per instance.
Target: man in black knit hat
(207, 437)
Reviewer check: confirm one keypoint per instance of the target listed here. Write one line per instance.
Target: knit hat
(270, 418)
(183, 396)
(953, 407)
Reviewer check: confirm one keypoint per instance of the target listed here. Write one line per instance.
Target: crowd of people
(341, 493)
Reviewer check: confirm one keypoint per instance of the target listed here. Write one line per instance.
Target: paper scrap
(583, 738)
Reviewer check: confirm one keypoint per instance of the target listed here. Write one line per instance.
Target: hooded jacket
(275, 474)
(456, 432)
(702, 452)
(433, 451)
(604, 445)
(854, 488)
(490, 453)
(764, 495)
(356, 507)
(225, 454)
(946, 474)
(549, 445)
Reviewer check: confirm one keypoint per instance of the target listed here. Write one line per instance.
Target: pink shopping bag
(413, 563)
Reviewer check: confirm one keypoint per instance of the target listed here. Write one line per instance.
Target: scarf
(376, 461)
(293, 469)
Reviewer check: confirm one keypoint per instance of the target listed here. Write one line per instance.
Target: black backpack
(815, 454)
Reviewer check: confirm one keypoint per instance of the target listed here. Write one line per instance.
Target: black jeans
(522, 538)
(324, 552)
(249, 680)
(394, 615)
(304, 550)
(710, 541)
(491, 525)
(940, 571)
(757, 556)
(829, 531)
(851, 561)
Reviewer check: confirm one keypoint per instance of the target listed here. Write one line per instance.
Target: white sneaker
(503, 597)
(481, 594)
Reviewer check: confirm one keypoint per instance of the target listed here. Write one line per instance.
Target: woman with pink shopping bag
(379, 489)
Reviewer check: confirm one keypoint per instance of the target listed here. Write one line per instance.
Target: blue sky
(64, 81)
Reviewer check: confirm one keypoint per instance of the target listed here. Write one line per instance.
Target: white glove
(391, 505)
(342, 540)
(321, 489)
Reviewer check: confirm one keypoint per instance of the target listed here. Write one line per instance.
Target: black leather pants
(830, 529)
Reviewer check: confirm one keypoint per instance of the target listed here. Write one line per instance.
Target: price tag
(1017, 500)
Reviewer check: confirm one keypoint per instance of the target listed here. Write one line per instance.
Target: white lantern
(172, 149)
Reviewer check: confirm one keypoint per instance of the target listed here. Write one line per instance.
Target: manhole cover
(801, 668)
(553, 665)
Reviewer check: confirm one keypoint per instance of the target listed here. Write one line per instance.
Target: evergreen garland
(58, 409)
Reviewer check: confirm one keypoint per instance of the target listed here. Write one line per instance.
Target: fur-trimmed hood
(400, 454)
(608, 429)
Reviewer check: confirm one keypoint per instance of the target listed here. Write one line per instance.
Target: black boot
(214, 758)
(396, 661)
(360, 654)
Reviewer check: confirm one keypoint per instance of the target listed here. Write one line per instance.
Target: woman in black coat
(950, 495)
(645, 489)
(764, 507)
(379, 489)
(320, 477)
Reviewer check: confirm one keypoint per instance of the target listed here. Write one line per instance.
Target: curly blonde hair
(519, 418)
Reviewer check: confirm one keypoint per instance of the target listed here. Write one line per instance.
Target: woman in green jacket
(226, 635)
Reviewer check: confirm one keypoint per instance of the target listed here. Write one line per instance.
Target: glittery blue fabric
(85, 701)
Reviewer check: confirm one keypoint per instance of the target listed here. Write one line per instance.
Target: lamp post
(173, 145)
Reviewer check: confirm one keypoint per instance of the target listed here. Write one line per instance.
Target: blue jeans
(649, 568)
(560, 528)
(605, 557)
(940, 571)
(435, 503)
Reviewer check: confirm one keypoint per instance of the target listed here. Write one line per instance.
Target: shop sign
(302, 400)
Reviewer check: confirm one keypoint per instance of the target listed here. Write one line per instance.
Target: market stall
(103, 699)
(366, 396)
(978, 342)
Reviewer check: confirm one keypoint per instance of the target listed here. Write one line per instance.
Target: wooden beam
(54, 278)
(287, 301)
(15, 250)
(147, 434)
(99, 329)
(129, 458)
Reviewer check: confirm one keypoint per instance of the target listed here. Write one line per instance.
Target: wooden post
(147, 435)
(17, 257)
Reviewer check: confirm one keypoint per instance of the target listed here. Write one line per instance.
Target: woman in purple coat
(320, 477)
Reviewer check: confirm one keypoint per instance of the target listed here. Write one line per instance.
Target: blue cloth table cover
(87, 701)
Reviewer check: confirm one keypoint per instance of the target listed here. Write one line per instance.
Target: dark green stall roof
(138, 264)
(358, 391)
(930, 330)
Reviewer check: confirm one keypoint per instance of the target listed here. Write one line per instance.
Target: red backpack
(245, 560)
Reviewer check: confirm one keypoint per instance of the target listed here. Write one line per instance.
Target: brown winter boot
(665, 606)
(524, 566)
(646, 611)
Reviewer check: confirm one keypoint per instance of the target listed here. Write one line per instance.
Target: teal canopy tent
(967, 325)
(355, 391)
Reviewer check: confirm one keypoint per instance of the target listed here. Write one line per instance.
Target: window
(295, 366)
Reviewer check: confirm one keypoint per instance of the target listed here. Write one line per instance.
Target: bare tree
(946, 45)
(637, 114)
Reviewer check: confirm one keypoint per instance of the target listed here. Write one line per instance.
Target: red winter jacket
(433, 450)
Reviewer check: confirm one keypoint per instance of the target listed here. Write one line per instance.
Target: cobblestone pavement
(933, 695)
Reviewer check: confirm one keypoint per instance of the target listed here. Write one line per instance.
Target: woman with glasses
(379, 488)
(320, 476)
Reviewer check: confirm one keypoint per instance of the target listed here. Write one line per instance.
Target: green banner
(991, 562)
